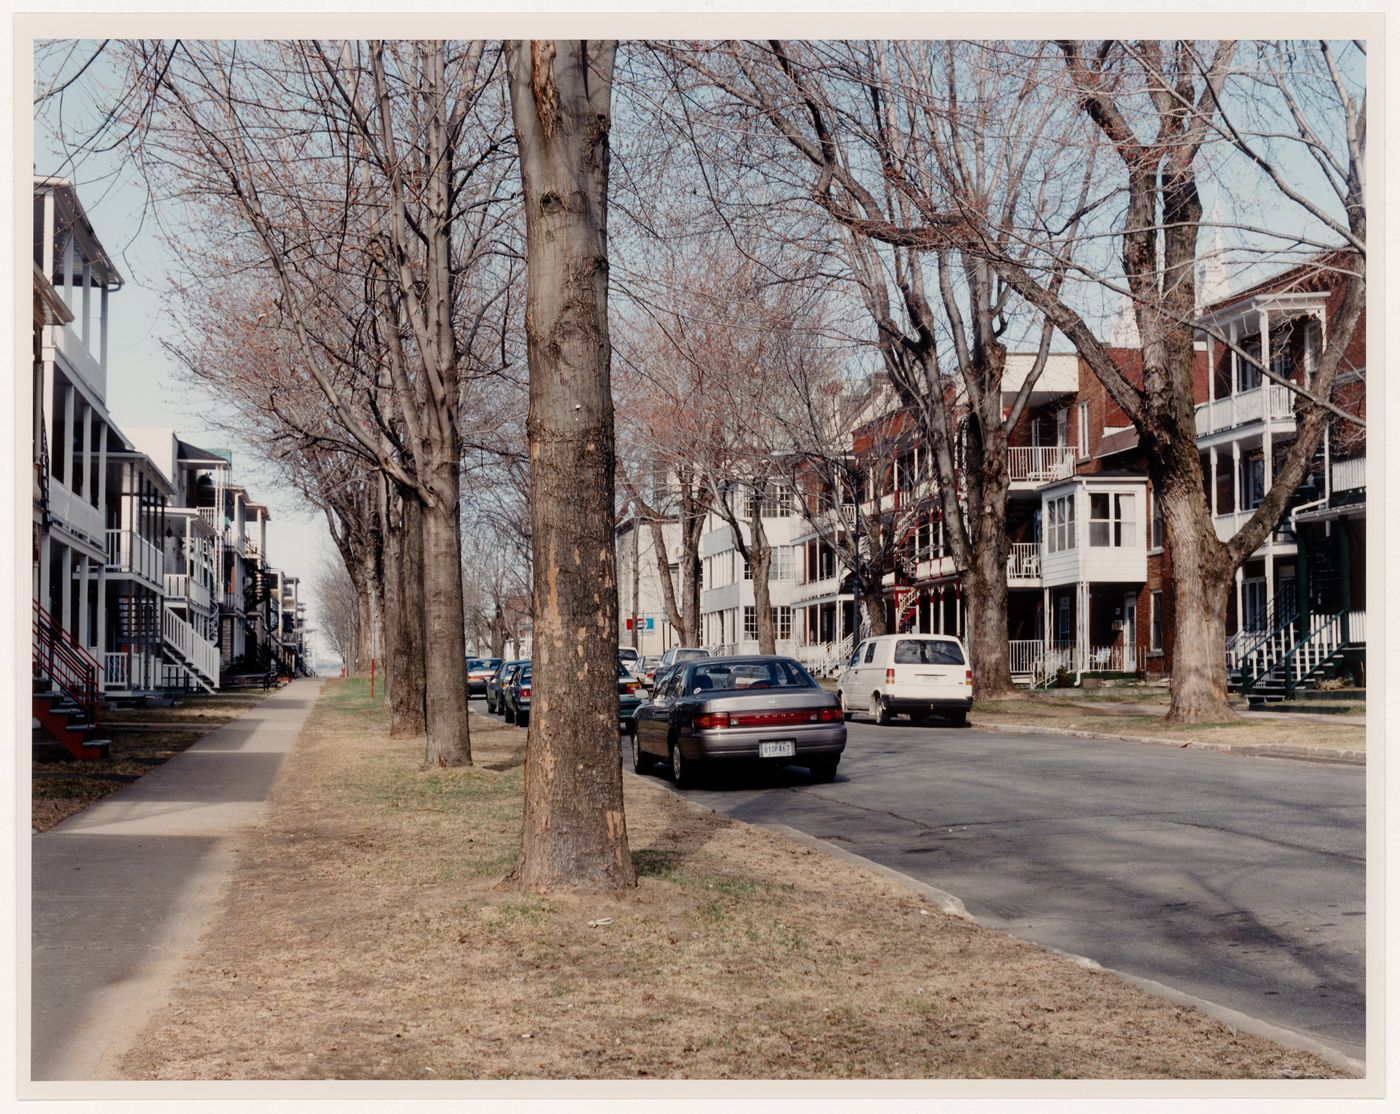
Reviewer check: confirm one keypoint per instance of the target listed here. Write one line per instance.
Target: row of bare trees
(397, 266)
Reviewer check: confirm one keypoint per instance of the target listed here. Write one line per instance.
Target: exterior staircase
(1296, 654)
(65, 689)
(181, 646)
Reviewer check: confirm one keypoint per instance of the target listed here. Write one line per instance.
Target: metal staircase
(65, 688)
(1295, 654)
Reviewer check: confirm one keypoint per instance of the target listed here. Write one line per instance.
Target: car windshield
(927, 651)
(775, 673)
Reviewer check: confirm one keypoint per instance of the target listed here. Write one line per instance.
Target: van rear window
(927, 651)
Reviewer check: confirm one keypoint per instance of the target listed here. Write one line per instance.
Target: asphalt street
(1236, 880)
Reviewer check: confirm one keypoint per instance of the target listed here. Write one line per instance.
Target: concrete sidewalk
(122, 890)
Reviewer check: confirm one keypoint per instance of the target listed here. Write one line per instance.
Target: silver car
(754, 708)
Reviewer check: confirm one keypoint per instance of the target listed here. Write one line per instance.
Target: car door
(866, 670)
(651, 717)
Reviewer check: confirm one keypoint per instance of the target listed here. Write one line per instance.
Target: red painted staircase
(65, 688)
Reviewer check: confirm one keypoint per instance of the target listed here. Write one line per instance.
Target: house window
(1062, 428)
(1084, 431)
(748, 569)
(1060, 528)
(1249, 374)
(1154, 625)
(1253, 482)
(1159, 527)
(782, 623)
(780, 568)
(1111, 520)
(750, 622)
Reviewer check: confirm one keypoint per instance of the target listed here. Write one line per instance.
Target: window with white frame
(1083, 431)
(750, 622)
(1059, 527)
(780, 567)
(1159, 526)
(1154, 624)
(1111, 520)
(782, 623)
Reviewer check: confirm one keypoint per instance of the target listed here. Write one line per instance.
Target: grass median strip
(365, 937)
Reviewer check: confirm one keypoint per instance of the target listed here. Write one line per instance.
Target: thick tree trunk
(403, 623)
(986, 622)
(760, 557)
(448, 741)
(498, 635)
(1202, 579)
(364, 620)
(873, 597)
(575, 833)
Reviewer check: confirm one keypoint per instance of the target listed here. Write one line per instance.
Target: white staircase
(184, 648)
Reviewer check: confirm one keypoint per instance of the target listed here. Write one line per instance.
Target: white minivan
(914, 674)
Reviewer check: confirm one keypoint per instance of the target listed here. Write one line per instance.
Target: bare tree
(575, 834)
(338, 604)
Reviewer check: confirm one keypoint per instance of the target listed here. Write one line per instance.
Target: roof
(1119, 442)
(193, 454)
(70, 214)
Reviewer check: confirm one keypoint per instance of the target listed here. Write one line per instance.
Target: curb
(1246, 750)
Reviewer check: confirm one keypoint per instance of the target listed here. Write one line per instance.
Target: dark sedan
(497, 681)
(515, 697)
(755, 708)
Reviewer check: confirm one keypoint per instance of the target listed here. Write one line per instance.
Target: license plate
(780, 748)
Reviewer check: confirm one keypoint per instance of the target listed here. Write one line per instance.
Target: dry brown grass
(363, 937)
(60, 788)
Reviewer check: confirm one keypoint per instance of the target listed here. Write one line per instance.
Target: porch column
(87, 306)
(45, 556)
(1345, 579)
(102, 332)
(1234, 370)
(1214, 478)
(1082, 627)
(69, 404)
(1264, 359)
(1302, 581)
(101, 621)
(84, 626)
(1045, 624)
(1239, 598)
(102, 476)
(1239, 480)
(65, 587)
(83, 466)
(1210, 365)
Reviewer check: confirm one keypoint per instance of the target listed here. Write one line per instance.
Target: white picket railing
(1347, 475)
(1356, 627)
(1034, 659)
(116, 671)
(1025, 657)
(129, 671)
(1247, 406)
(1039, 464)
(1023, 562)
(202, 656)
(183, 587)
(128, 552)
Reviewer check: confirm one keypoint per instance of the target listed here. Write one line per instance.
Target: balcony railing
(180, 587)
(1040, 464)
(1247, 406)
(128, 552)
(1348, 475)
(74, 512)
(1024, 561)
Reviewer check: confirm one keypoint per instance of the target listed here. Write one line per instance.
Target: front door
(1130, 633)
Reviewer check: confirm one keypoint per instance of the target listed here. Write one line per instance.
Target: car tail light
(829, 715)
(631, 686)
(969, 678)
(706, 721)
(525, 694)
(889, 676)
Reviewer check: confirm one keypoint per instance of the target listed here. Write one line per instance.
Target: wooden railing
(200, 654)
(127, 551)
(61, 662)
(1247, 406)
(1024, 561)
(1347, 475)
(1039, 464)
(182, 586)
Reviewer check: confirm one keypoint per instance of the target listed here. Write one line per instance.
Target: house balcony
(1023, 565)
(184, 590)
(75, 514)
(1030, 466)
(1269, 401)
(77, 359)
(129, 554)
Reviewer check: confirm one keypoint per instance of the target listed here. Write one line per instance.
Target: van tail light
(969, 678)
(889, 676)
(707, 721)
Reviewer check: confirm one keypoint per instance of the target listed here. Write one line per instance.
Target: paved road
(122, 890)
(1237, 880)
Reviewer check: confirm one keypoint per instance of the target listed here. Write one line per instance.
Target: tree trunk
(403, 623)
(364, 621)
(872, 595)
(761, 561)
(448, 741)
(498, 635)
(575, 833)
(986, 622)
(1202, 580)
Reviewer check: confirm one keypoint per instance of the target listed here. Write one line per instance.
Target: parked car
(504, 672)
(677, 654)
(628, 656)
(628, 686)
(515, 698)
(913, 674)
(646, 669)
(757, 707)
(479, 671)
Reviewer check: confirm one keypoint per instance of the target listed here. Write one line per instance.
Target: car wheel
(878, 712)
(641, 760)
(841, 699)
(823, 768)
(522, 719)
(509, 715)
(683, 770)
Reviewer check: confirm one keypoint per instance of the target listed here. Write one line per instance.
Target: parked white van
(913, 674)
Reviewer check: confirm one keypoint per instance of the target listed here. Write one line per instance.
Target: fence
(1040, 463)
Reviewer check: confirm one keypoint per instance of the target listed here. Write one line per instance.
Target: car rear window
(776, 674)
(927, 651)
